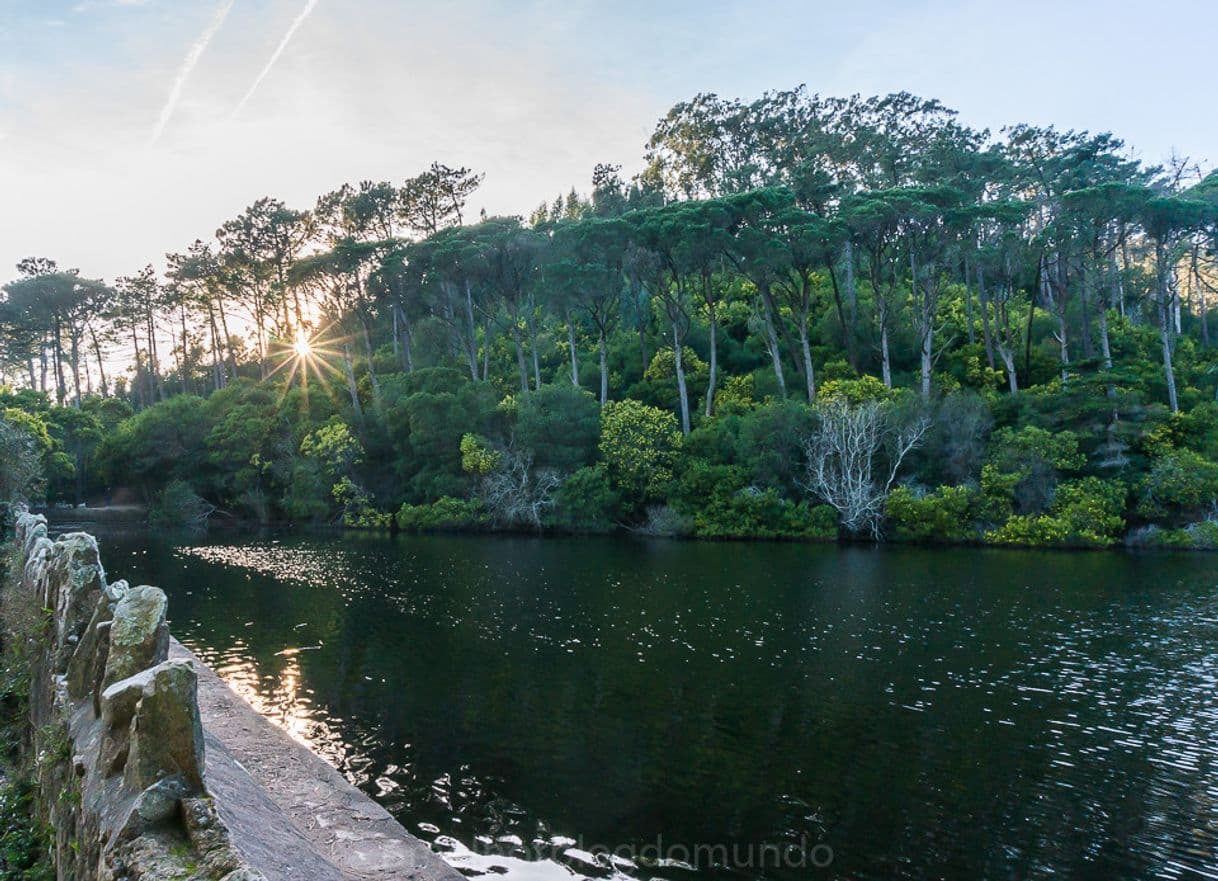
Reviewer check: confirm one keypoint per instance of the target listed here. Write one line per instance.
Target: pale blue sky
(533, 92)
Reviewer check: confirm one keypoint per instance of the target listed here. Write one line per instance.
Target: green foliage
(1180, 486)
(1033, 457)
(178, 505)
(736, 246)
(855, 391)
(163, 442)
(445, 513)
(20, 464)
(334, 447)
(359, 511)
(560, 424)
(477, 457)
(24, 842)
(945, 515)
(586, 502)
(736, 395)
(1084, 513)
(639, 444)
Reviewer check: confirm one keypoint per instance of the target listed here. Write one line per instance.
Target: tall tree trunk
(1084, 302)
(927, 350)
(217, 366)
(486, 347)
(101, 367)
(714, 359)
(772, 339)
(806, 351)
(851, 298)
(986, 334)
(679, 363)
(61, 385)
(352, 388)
(1197, 287)
(847, 323)
(885, 357)
(520, 360)
(471, 343)
(532, 330)
(402, 321)
(573, 351)
(372, 378)
(74, 348)
(1008, 362)
(604, 358)
(968, 303)
(1166, 321)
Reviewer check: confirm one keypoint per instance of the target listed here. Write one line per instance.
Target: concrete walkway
(290, 813)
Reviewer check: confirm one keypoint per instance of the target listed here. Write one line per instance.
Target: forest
(805, 318)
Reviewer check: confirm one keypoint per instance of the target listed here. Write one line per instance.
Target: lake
(651, 709)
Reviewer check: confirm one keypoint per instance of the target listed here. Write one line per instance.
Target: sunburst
(309, 353)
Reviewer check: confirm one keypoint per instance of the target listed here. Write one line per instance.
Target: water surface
(731, 710)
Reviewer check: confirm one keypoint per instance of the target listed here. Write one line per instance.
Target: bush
(639, 444)
(855, 391)
(946, 515)
(752, 513)
(1201, 536)
(444, 513)
(586, 502)
(668, 522)
(179, 505)
(1084, 513)
(559, 424)
(1033, 457)
(1180, 485)
(358, 509)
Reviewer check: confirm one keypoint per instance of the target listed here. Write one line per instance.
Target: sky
(129, 128)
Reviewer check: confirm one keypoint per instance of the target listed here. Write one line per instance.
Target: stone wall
(116, 731)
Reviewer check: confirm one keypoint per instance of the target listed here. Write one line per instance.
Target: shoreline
(69, 516)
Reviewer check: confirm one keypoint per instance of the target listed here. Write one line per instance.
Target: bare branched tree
(853, 456)
(516, 493)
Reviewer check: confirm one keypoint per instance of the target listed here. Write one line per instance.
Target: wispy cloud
(309, 6)
(188, 64)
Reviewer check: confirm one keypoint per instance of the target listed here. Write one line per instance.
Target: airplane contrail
(188, 64)
(309, 6)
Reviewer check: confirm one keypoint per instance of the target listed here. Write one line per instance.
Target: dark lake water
(731, 710)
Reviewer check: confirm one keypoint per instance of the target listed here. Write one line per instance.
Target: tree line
(853, 269)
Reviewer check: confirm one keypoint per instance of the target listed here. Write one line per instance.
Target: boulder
(76, 581)
(166, 731)
(139, 636)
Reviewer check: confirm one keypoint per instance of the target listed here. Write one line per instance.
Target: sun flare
(303, 347)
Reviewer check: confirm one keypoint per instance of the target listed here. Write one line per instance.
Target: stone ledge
(279, 799)
(150, 768)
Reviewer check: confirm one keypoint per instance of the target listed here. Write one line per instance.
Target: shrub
(1180, 483)
(358, 509)
(1084, 513)
(668, 522)
(559, 425)
(586, 502)
(1034, 457)
(444, 513)
(855, 391)
(948, 514)
(752, 513)
(179, 505)
(639, 444)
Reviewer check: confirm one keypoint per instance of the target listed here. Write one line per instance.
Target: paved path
(291, 814)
